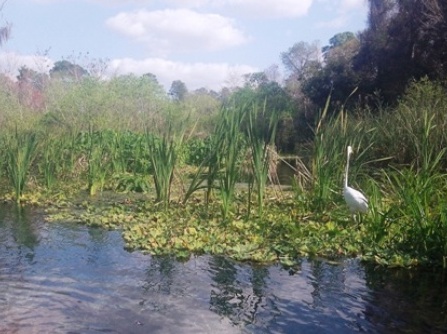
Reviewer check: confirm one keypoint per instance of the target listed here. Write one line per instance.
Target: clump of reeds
(20, 150)
(260, 139)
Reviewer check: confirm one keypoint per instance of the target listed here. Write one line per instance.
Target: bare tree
(5, 31)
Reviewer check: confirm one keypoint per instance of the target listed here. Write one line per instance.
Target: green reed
(163, 153)
(229, 145)
(260, 140)
(20, 151)
(326, 158)
(50, 162)
(97, 161)
(413, 220)
(207, 172)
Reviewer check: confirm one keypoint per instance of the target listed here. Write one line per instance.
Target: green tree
(338, 40)
(178, 90)
(404, 41)
(302, 59)
(337, 77)
(67, 71)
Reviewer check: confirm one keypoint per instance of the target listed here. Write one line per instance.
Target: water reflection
(64, 278)
(402, 301)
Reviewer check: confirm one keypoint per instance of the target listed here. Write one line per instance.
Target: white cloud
(11, 62)
(352, 5)
(343, 12)
(194, 75)
(251, 8)
(166, 31)
(271, 8)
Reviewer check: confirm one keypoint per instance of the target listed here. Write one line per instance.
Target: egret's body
(356, 201)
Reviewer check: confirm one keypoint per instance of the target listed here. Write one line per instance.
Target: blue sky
(204, 43)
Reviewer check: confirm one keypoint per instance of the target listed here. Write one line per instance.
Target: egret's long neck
(347, 170)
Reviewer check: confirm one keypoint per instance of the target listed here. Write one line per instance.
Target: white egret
(357, 202)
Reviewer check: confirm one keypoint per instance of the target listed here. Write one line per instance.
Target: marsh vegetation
(121, 155)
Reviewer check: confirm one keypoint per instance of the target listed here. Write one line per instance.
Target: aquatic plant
(229, 145)
(163, 155)
(20, 151)
(97, 160)
(260, 140)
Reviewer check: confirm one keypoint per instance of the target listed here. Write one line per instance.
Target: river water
(65, 278)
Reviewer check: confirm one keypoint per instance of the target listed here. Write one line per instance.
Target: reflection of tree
(407, 301)
(228, 296)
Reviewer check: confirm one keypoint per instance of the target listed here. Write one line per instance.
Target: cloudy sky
(204, 43)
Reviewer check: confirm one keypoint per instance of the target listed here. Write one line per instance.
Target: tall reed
(205, 176)
(260, 139)
(163, 153)
(20, 152)
(229, 145)
(326, 159)
(50, 163)
(97, 160)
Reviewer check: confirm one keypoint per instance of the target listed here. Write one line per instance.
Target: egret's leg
(360, 221)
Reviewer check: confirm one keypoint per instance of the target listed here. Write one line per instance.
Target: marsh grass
(260, 139)
(163, 153)
(229, 145)
(96, 132)
(20, 148)
(97, 160)
(328, 158)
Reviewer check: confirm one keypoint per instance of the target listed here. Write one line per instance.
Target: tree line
(404, 41)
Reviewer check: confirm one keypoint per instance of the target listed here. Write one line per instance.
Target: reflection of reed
(407, 300)
(160, 274)
(231, 297)
(24, 233)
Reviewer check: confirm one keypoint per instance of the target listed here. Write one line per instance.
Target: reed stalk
(20, 152)
(260, 139)
(97, 162)
(229, 145)
(51, 164)
(163, 153)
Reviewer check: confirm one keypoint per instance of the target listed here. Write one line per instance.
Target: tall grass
(328, 158)
(50, 165)
(416, 184)
(20, 151)
(163, 153)
(97, 160)
(229, 145)
(260, 138)
(207, 170)
(400, 159)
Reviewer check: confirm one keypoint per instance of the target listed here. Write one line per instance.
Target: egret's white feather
(356, 201)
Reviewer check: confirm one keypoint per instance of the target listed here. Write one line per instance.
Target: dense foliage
(149, 165)
(188, 172)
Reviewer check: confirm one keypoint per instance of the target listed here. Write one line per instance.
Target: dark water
(62, 278)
